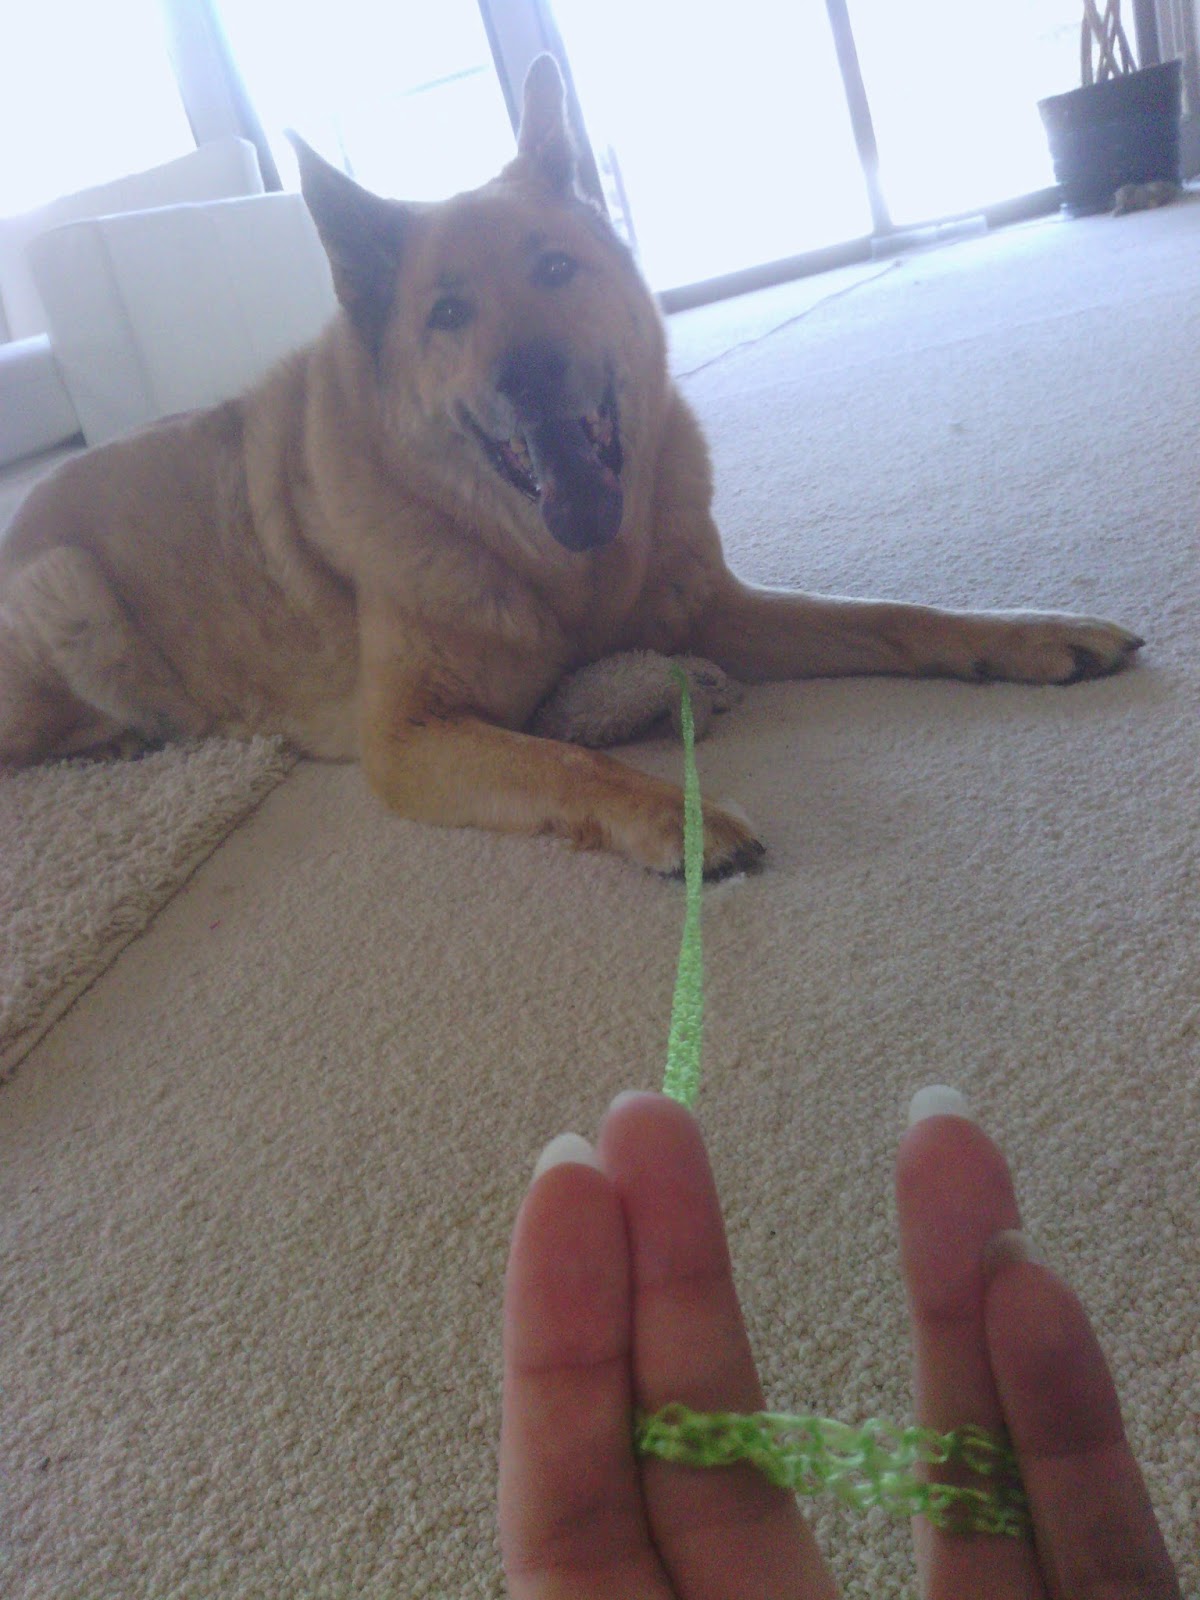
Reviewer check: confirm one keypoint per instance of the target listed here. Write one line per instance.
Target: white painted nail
(627, 1095)
(937, 1100)
(567, 1147)
(1008, 1246)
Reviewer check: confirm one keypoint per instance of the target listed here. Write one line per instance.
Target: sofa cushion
(216, 171)
(155, 312)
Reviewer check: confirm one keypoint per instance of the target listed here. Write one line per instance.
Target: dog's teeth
(599, 429)
(593, 426)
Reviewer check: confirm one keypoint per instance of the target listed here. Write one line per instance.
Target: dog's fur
(477, 479)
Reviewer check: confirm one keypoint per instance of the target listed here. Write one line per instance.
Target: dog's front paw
(730, 843)
(1048, 647)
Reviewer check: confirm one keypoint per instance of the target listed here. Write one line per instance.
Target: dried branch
(1106, 36)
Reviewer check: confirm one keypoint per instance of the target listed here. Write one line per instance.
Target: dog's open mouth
(570, 467)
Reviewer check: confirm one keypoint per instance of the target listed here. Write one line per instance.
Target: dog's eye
(554, 269)
(450, 312)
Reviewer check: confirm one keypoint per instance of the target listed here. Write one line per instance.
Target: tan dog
(479, 478)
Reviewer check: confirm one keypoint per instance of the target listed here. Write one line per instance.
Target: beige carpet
(256, 1186)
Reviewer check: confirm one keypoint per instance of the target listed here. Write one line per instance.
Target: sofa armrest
(221, 169)
(156, 312)
(35, 410)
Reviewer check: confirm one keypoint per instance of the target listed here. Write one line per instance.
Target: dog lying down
(479, 479)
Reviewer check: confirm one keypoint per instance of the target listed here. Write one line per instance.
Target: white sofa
(164, 291)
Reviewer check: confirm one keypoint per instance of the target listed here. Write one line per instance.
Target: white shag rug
(89, 851)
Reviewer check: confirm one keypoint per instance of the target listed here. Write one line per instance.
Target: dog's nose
(532, 377)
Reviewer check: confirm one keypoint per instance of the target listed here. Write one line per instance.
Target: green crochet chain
(877, 1464)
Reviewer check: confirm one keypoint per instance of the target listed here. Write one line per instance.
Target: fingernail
(567, 1147)
(627, 1095)
(937, 1100)
(1009, 1246)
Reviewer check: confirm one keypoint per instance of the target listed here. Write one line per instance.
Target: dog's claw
(1091, 664)
(1087, 665)
(747, 858)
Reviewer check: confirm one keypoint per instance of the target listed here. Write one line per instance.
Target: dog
(478, 479)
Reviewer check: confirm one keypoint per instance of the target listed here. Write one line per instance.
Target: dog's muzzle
(569, 465)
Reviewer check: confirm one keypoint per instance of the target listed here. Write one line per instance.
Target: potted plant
(1121, 126)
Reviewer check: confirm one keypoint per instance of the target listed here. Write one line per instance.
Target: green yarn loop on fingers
(877, 1464)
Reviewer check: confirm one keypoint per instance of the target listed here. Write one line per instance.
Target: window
(406, 97)
(89, 95)
(954, 91)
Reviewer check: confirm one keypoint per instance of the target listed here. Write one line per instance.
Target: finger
(953, 1194)
(572, 1521)
(719, 1531)
(1095, 1526)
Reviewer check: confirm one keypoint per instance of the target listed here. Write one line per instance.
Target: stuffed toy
(622, 697)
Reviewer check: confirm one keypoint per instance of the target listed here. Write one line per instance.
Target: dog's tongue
(581, 498)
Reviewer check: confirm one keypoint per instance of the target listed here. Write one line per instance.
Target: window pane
(953, 88)
(406, 95)
(725, 126)
(89, 95)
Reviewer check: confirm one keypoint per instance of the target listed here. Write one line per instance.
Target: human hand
(620, 1295)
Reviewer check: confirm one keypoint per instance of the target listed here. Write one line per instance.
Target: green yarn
(863, 1467)
(682, 1078)
(877, 1464)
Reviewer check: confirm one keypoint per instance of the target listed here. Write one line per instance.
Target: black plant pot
(1124, 130)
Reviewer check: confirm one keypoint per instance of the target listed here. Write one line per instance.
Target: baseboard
(900, 240)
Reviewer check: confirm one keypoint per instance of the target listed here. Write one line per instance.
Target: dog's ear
(363, 236)
(545, 147)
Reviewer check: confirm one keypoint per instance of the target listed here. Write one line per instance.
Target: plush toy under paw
(624, 696)
(1144, 196)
